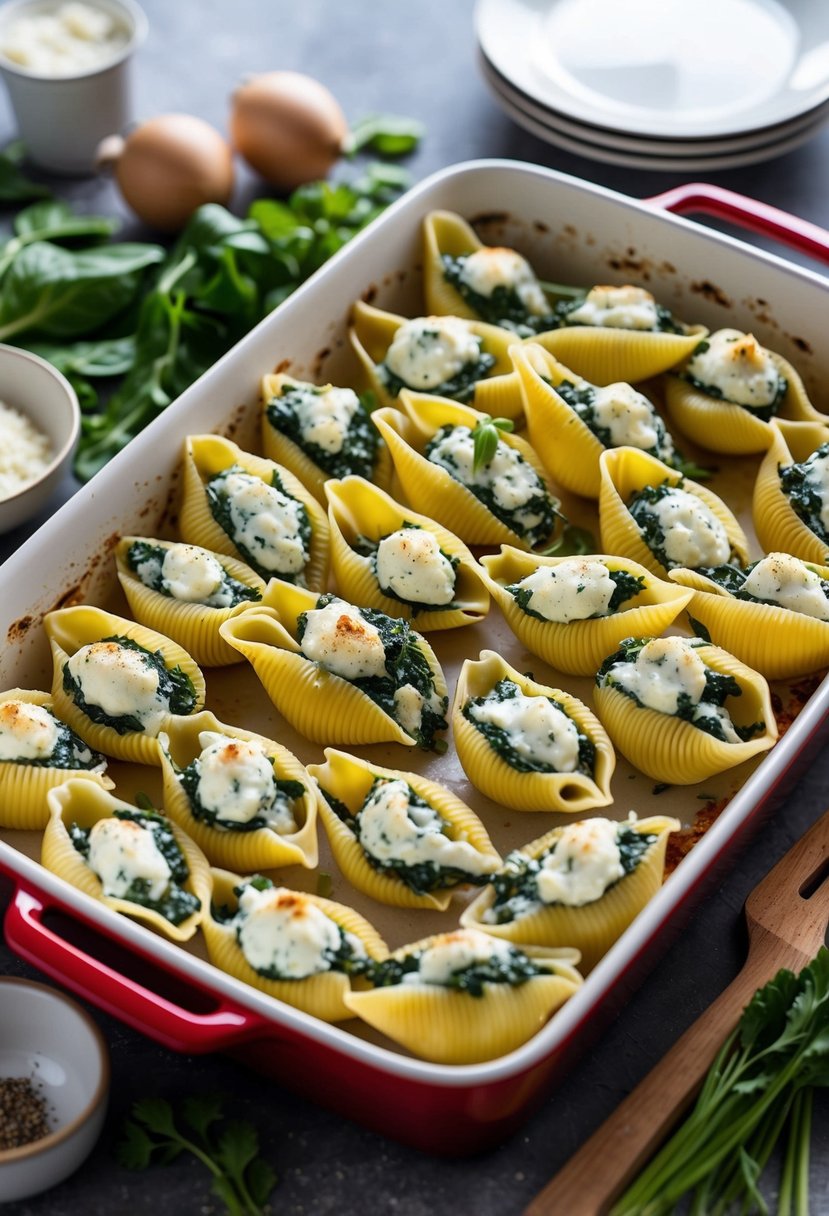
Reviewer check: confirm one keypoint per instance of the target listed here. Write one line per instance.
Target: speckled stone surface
(416, 58)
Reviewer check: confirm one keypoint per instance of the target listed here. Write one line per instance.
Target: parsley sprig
(229, 1148)
(485, 436)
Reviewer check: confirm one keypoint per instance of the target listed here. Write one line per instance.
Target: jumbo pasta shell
(445, 233)
(83, 803)
(356, 508)
(625, 472)
(430, 489)
(246, 851)
(669, 749)
(23, 787)
(573, 792)
(68, 630)
(207, 455)
(372, 332)
(450, 1027)
(779, 528)
(605, 356)
(590, 928)
(778, 642)
(284, 451)
(580, 647)
(349, 779)
(323, 995)
(193, 626)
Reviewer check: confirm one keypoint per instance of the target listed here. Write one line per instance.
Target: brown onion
(288, 127)
(169, 166)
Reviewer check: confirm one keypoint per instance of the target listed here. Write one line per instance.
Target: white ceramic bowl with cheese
(33, 388)
(51, 1040)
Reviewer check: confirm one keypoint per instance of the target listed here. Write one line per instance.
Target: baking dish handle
(750, 213)
(220, 1026)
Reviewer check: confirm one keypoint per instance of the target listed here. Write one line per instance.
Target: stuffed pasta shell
(185, 592)
(298, 948)
(37, 752)
(682, 710)
(526, 745)
(618, 333)
(651, 513)
(790, 507)
(247, 507)
(398, 837)
(463, 997)
(319, 432)
(244, 799)
(571, 611)
(570, 421)
(583, 884)
(772, 615)
(388, 557)
(469, 473)
(450, 357)
(342, 674)
(135, 861)
(118, 684)
(462, 277)
(724, 395)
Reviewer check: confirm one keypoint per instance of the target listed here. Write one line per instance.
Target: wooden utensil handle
(595, 1176)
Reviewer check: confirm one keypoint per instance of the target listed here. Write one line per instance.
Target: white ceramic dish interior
(34, 388)
(51, 1040)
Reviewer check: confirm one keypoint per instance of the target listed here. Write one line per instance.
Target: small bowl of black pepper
(54, 1086)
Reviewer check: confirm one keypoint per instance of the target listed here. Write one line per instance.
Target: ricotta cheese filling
(586, 861)
(491, 267)
(237, 782)
(669, 676)
(630, 419)
(265, 522)
(283, 934)
(426, 352)
(534, 727)
(391, 828)
(573, 590)
(693, 536)
(27, 732)
(460, 950)
(341, 640)
(787, 581)
(734, 366)
(121, 853)
(120, 682)
(815, 470)
(611, 307)
(324, 415)
(190, 574)
(410, 564)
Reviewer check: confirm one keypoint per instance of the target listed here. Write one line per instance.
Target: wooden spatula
(787, 915)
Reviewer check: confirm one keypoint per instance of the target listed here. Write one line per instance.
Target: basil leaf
(385, 134)
(15, 187)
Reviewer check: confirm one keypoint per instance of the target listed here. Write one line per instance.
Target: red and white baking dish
(573, 232)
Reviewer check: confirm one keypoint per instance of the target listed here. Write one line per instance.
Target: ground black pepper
(23, 1113)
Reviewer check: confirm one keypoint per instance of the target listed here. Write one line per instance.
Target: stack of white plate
(661, 84)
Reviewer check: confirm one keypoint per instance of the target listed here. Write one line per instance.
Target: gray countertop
(417, 59)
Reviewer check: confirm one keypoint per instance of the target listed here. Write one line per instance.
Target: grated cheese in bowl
(25, 452)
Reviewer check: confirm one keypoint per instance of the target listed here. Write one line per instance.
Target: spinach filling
(221, 508)
(460, 387)
(513, 968)
(176, 904)
(732, 579)
(175, 689)
(666, 322)
(499, 739)
(540, 507)
(797, 481)
(369, 549)
(151, 557)
(503, 307)
(582, 402)
(648, 522)
(69, 752)
(287, 793)
(516, 886)
(628, 586)
(405, 664)
(359, 448)
(718, 687)
(764, 412)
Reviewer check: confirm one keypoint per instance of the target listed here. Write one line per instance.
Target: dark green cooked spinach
(175, 689)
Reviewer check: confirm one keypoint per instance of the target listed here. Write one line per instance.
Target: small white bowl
(33, 387)
(48, 1037)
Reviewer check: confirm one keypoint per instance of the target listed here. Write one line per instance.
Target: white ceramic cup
(62, 119)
